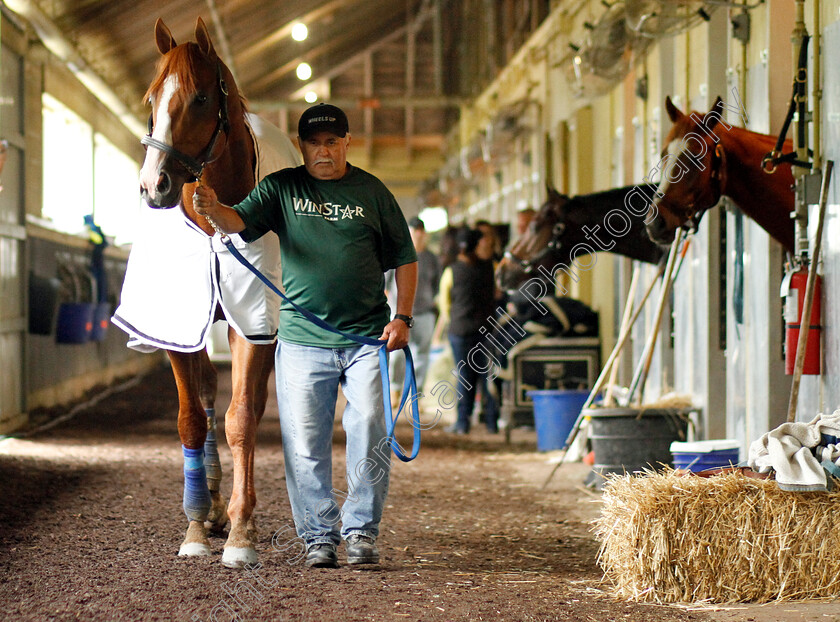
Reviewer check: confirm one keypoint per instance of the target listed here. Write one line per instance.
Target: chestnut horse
(604, 221)
(181, 278)
(705, 158)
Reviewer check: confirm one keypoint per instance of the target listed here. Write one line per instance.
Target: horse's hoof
(194, 549)
(238, 557)
(195, 542)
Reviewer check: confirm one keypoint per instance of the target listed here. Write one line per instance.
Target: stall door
(13, 298)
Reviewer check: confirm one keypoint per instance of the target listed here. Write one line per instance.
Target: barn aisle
(92, 524)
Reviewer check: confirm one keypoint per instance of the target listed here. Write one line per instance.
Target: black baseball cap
(323, 118)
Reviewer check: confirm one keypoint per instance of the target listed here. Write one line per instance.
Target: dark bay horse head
(705, 158)
(195, 108)
(567, 227)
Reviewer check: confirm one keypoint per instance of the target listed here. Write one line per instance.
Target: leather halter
(527, 265)
(195, 166)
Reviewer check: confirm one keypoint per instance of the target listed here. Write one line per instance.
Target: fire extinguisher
(793, 290)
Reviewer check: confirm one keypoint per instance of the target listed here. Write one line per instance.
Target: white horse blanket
(176, 274)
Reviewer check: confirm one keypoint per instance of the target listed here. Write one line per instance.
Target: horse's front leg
(250, 368)
(217, 517)
(190, 372)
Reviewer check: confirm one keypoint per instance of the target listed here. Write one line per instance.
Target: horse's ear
(673, 112)
(713, 119)
(165, 40)
(554, 197)
(202, 37)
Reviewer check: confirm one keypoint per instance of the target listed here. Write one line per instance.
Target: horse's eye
(200, 99)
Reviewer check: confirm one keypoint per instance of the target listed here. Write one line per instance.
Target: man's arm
(396, 331)
(205, 203)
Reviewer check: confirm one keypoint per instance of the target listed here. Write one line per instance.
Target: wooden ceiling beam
(337, 70)
(330, 45)
(224, 41)
(361, 103)
(310, 17)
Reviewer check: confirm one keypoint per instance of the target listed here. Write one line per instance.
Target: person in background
(425, 312)
(489, 247)
(448, 247)
(467, 301)
(524, 217)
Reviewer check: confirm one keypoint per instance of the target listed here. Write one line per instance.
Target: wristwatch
(409, 321)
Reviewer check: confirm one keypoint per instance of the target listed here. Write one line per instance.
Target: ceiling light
(311, 97)
(299, 31)
(304, 71)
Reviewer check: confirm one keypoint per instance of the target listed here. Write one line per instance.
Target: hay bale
(671, 538)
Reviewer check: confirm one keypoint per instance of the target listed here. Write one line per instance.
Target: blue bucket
(75, 322)
(701, 455)
(555, 413)
(101, 320)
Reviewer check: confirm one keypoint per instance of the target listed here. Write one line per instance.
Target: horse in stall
(705, 158)
(610, 221)
(181, 278)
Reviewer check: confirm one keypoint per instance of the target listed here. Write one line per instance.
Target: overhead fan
(606, 53)
(656, 18)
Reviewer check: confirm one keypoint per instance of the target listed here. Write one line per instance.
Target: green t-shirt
(337, 239)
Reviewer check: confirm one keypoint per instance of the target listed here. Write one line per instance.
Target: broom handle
(614, 354)
(647, 354)
(625, 319)
(600, 381)
(671, 281)
(807, 305)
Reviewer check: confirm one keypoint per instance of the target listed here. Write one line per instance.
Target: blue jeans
(307, 388)
(468, 380)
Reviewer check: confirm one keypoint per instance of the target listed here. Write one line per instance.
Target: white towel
(787, 450)
(176, 274)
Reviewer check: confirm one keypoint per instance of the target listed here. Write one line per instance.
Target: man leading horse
(340, 230)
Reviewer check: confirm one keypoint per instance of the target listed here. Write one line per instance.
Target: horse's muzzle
(160, 201)
(659, 232)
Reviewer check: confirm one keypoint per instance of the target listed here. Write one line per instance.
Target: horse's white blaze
(162, 132)
(675, 150)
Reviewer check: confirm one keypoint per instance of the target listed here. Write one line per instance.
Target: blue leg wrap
(196, 494)
(212, 464)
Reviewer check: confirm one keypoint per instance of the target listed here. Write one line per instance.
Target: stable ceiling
(380, 60)
(400, 68)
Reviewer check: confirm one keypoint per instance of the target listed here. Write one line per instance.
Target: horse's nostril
(655, 227)
(164, 184)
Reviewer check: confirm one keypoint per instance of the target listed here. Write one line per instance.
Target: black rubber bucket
(43, 304)
(627, 440)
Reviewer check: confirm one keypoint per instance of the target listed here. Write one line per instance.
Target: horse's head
(189, 100)
(535, 247)
(692, 172)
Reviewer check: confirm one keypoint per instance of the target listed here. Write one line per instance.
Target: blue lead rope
(409, 385)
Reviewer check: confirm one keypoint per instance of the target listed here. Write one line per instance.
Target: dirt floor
(92, 523)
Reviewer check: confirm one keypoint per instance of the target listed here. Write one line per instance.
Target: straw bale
(668, 538)
(678, 401)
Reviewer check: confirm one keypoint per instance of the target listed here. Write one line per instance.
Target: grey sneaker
(361, 549)
(321, 555)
